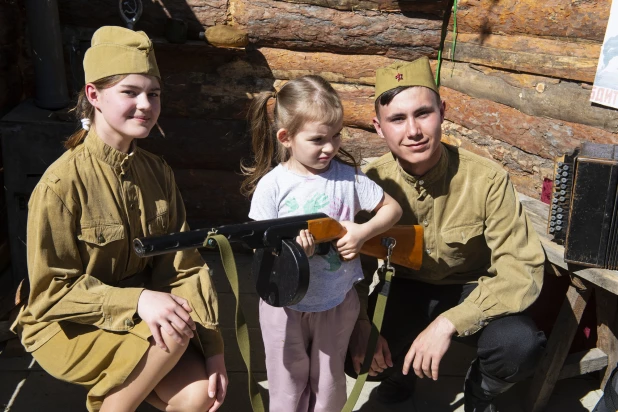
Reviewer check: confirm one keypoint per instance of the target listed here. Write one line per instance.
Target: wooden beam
(299, 27)
(584, 362)
(545, 137)
(557, 348)
(553, 58)
(424, 6)
(337, 68)
(581, 20)
(607, 329)
(541, 98)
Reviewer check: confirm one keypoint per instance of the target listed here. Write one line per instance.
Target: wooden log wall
(517, 87)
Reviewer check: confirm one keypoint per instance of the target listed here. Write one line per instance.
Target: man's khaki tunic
(475, 230)
(83, 215)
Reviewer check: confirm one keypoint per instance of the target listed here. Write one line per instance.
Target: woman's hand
(305, 240)
(217, 380)
(168, 312)
(351, 243)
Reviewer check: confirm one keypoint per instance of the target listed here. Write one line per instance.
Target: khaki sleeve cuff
(466, 317)
(119, 308)
(211, 341)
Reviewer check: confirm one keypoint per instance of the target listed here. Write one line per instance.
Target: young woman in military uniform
(98, 315)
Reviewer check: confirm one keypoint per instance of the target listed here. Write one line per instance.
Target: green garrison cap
(414, 73)
(116, 50)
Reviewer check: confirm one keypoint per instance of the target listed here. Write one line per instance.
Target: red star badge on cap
(399, 77)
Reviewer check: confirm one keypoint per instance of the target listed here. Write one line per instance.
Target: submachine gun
(280, 266)
(280, 269)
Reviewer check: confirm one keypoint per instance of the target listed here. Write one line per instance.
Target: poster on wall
(605, 88)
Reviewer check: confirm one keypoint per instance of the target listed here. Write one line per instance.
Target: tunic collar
(101, 150)
(421, 183)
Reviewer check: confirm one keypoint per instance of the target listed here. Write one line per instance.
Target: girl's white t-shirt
(340, 192)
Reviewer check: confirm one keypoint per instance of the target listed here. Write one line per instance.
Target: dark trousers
(508, 348)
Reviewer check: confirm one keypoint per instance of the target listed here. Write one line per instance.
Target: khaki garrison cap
(414, 73)
(116, 50)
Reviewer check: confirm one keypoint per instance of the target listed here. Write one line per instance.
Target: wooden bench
(556, 362)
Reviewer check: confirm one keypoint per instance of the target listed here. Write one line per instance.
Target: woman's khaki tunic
(81, 320)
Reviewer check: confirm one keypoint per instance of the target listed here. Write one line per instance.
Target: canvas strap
(376, 326)
(242, 330)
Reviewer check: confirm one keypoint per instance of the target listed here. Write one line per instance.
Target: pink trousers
(305, 353)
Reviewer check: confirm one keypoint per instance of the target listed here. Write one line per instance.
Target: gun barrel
(173, 242)
(252, 234)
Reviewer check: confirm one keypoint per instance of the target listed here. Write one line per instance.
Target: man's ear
(442, 110)
(284, 137)
(92, 94)
(376, 125)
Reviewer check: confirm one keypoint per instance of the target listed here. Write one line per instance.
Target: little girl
(97, 314)
(306, 343)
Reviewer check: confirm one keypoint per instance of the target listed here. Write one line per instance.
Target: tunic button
(101, 238)
(128, 323)
(421, 182)
(425, 222)
(428, 251)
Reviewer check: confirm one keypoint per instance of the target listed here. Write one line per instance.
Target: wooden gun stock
(408, 250)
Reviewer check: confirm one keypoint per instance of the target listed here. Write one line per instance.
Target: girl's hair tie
(86, 123)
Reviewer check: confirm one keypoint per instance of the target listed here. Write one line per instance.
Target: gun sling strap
(242, 330)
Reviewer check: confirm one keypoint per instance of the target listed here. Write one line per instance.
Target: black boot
(480, 390)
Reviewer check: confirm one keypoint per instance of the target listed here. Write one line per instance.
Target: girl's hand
(305, 240)
(351, 243)
(168, 312)
(217, 380)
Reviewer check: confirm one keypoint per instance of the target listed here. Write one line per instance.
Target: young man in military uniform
(482, 263)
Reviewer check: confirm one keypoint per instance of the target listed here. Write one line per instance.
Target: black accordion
(584, 206)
